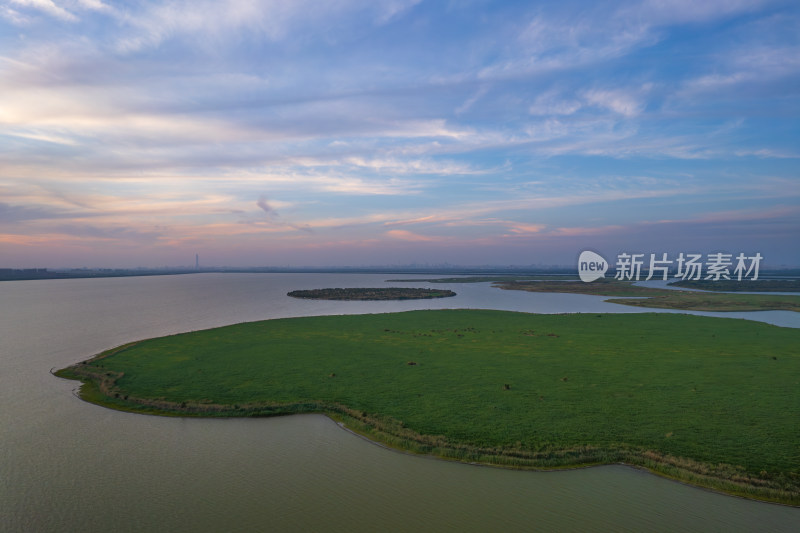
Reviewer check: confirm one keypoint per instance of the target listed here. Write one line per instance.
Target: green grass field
(711, 401)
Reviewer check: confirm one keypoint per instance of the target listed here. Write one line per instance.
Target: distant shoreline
(443, 274)
(626, 293)
(27, 274)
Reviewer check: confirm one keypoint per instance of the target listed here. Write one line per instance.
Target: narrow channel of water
(66, 465)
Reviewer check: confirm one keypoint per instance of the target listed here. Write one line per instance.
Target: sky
(350, 132)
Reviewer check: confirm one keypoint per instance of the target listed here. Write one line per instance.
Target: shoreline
(638, 468)
(375, 430)
(639, 295)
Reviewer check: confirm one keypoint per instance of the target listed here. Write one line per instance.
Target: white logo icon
(591, 266)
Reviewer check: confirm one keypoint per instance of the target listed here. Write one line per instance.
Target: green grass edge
(98, 389)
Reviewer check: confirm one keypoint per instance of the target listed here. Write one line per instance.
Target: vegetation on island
(708, 401)
(747, 285)
(384, 293)
(662, 298)
(484, 279)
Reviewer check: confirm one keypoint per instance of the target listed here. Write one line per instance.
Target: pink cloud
(587, 231)
(409, 236)
(521, 228)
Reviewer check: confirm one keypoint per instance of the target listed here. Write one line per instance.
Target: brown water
(66, 465)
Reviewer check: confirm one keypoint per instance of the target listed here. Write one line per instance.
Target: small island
(384, 293)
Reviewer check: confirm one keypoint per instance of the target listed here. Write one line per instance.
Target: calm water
(66, 465)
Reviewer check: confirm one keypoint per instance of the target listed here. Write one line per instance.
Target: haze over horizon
(397, 132)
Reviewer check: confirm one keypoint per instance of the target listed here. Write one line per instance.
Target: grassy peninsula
(383, 293)
(709, 401)
(662, 298)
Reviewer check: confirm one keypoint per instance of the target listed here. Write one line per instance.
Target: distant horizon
(443, 266)
(406, 266)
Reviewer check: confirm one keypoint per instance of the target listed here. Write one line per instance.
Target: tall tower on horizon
(197, 261)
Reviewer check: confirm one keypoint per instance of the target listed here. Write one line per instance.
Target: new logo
(591, 266)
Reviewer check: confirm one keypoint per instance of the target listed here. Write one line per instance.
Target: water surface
(66, 465)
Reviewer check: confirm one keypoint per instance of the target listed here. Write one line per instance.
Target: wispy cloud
(552, 103)
(275, 218)
(10, 214)
(13, 16)
(469, 102)
(739, 218)
(48, 7)
(273, 20)
(660, 13)
(405, 235)
(619, 101)
(262, 203)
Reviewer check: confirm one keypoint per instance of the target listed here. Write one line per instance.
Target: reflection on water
(66, 465)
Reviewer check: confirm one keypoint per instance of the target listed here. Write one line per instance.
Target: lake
(66, 465)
